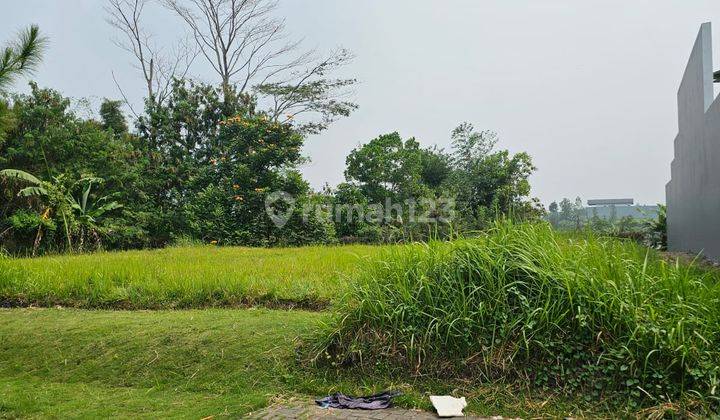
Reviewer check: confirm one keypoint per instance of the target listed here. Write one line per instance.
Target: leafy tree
(212, 161)
(489, 183)
(112, 117)
(388, 167)
(554, 216)
(471, 146)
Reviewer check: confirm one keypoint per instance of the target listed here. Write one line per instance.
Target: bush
(561, 312)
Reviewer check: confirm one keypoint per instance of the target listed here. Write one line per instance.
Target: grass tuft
(523, 303)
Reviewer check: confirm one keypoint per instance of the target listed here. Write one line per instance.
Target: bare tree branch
(311, 92)
(125, 98)
(157, 67)
(241, 39)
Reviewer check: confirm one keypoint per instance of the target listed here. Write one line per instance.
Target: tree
(554, 216)
(249, 50)
(566, 210)
(469, 145)
(112, 117)
(157, 67)
(309, 92)
(240, 39)
(387, 167)
(489, 183)
(55, 199)
(211, 162)
(89, 212)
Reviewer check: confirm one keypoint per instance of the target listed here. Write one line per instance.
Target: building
(693, 193)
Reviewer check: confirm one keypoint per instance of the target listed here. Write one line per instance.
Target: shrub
(522, 301)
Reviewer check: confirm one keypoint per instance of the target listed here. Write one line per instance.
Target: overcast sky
(587, 88)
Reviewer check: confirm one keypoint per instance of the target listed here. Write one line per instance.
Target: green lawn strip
(194, 363)
(31, 397)
(184, 277)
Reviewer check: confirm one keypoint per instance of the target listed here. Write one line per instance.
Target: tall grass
(183, 277)
(555, 311)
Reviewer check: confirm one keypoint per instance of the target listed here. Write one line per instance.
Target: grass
(191, 277)
(197, 363)
(581, 315)
(523, 321)
(188, 364)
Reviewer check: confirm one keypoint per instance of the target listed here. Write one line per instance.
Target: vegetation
(575, 314)
(196, 364)
(202, 166)
(203, 161)
(645, 225)
(521, 318)
(184, 277)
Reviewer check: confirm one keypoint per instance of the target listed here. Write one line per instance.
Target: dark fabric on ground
(372, 402)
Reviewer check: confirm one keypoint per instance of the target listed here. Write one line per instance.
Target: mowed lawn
(76, 363)
(156, 364)
(185, 277)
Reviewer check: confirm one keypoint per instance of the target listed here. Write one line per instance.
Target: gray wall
(693, 193)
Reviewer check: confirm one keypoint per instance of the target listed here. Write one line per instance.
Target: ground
(307, 410)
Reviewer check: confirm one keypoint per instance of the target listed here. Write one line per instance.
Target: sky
(587, 88)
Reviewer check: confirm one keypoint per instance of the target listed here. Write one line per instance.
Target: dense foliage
(208, 163)
(200, 167)
(567, 313)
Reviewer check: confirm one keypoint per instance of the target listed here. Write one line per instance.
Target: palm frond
(21, 175)
(32, 192)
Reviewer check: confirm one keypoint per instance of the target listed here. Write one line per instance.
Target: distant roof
(716, 76)
(611, 201)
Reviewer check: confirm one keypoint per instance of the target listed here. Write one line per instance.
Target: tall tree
(488, 182)
(240, 39)
(158, 67)
(249, 49)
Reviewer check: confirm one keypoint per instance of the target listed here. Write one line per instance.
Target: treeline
(648, 229)
(201, 162)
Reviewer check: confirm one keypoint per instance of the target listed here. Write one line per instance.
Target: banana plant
(59, 200)
(89, 213)
(39, 188)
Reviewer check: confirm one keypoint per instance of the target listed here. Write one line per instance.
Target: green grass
(580, 315)
(145, 364)
(522, 321)
(190, 277)
(71, 363)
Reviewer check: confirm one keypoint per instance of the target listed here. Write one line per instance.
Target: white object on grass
(447, 406)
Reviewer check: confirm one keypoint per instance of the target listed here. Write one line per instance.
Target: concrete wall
(693, 193)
